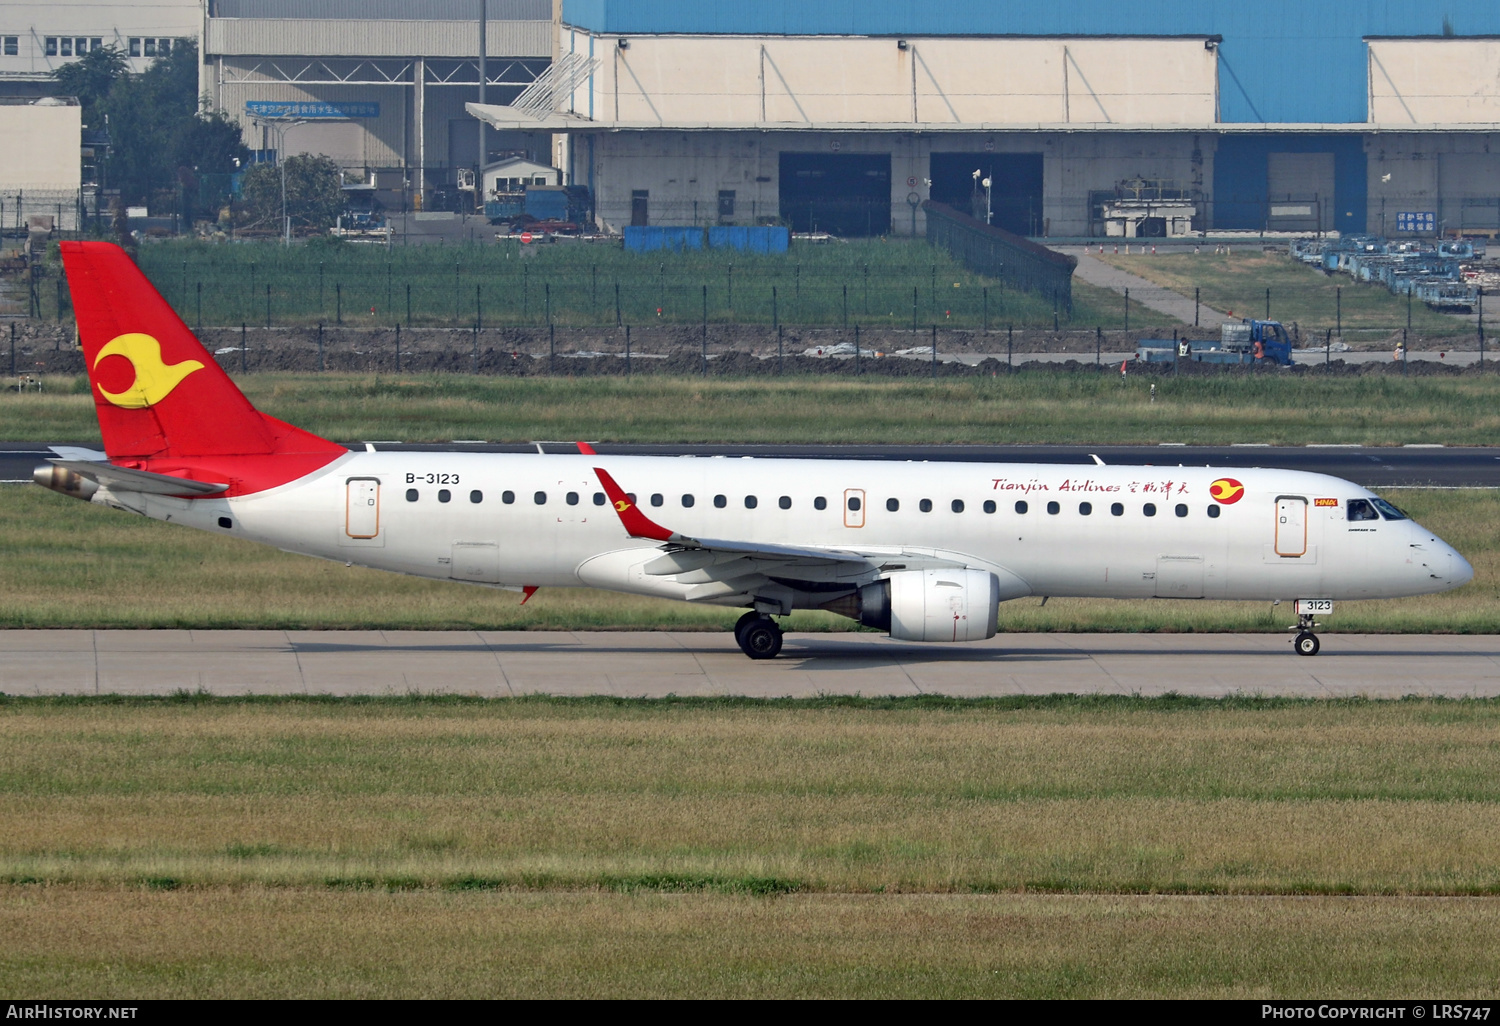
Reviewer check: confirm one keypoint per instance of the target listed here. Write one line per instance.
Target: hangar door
(1015, 187)
(1469, 190)
(1299, 192)
(839, 193)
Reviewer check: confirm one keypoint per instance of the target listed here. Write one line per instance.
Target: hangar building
(1289, 116)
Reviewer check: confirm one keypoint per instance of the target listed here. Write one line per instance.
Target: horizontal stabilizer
(126, 480)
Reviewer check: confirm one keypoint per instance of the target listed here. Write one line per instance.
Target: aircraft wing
(730, 571)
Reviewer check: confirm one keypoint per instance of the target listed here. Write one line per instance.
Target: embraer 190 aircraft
(925, 551)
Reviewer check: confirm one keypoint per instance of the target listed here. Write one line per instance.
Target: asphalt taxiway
(656, 664)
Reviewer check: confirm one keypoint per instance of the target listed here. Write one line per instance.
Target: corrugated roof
(384, 10)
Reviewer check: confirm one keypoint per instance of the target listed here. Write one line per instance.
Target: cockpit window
(1360, 509)
(1388, 511)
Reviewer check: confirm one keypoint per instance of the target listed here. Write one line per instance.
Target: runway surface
(1370, 466)
(655, 664)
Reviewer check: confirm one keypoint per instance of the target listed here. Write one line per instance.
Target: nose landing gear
(1306, 642)
(758, 635)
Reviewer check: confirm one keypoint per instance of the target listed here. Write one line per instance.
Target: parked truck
(555, 208)
(1243, 342)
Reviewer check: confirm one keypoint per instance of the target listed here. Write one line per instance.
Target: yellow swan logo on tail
(154, 380)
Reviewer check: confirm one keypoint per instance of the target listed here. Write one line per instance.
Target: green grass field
(874, 283)
(72, 564)
(1084, 847)
(1237, 282)
(1029, 407)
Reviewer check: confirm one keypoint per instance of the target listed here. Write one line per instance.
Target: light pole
(978, 181)
(280, 126)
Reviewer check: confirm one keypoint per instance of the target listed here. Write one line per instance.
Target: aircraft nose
(1459, 570)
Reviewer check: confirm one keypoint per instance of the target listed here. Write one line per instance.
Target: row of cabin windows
(1116, 509)
(78, 46)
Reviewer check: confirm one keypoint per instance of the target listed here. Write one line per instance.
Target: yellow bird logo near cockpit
(154, 380)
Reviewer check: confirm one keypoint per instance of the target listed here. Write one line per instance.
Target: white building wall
(40, 171)
(1455, 176)
(114, 23)
(738, 80)
(1446, 81)
(684, 171)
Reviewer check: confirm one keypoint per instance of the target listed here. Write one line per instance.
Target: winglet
(585, 449)
(637, 524)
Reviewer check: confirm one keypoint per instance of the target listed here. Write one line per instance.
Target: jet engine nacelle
(933, 605)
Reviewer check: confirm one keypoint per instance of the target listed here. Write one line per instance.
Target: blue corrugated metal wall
(1240, 177)
(1281, 61)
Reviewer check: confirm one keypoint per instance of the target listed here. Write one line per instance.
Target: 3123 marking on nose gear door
(1309, 606)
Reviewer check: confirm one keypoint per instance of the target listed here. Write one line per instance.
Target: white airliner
(925, 551)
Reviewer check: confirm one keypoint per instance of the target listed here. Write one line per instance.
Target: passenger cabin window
(599, 499)
(958, 505)
(1181, 509)
(751, 502)
(507, 497)
(1149, 509)
(1053, 508)
(854, 504)
(1360, 509)
(720, 502)
(820, 503)
(411, 495)
(1085, 509)
(572, 498)
(1213, 512)
(925, 505)
(657, 499)
(989, 505)
(785, 502)
(892, 505)
(540, 498)
(1021, 506)
(1388, 511)
(476, 496)
(687, 502)
(1117, 509)
(444, 495)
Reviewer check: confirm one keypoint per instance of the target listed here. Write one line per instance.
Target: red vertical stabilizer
(159, 394)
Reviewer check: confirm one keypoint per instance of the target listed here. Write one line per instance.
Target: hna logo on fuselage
(1226, 490)
(154, 380)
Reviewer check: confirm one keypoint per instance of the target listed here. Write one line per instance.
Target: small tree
(90, 78)
(314, 198)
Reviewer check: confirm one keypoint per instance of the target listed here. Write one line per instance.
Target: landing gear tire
(758, 636)
(1306, 644)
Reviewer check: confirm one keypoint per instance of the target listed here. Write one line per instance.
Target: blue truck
(1242, 342)
(551, 204)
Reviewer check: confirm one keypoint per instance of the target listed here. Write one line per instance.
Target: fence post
(1481, 326)
(387, 284)
(1338, 301)
(914, 310)
(321, 364)
(200, 306)
(320, 288)
(12, 348)
(775, 317)
(1195, 307)
(729, 289)
(846, 307)
(268, 306)
(242, 343)
(1268, 304)
(1127, 309)
(778, 343)
(934, 350)
(338, 291)
(986, 330)
(1010, 337)
(59, 296)
(1098, 345)
(408, 304)
(705, 330)
(551, 353)
(1054, 310)
(857, 368)
(627, 340)
(474, 357)
(547, 301)
(617, 305)
(478, 307)
(398, 345)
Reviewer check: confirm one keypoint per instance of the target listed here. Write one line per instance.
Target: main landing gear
(1306, 642)
(758, 635)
